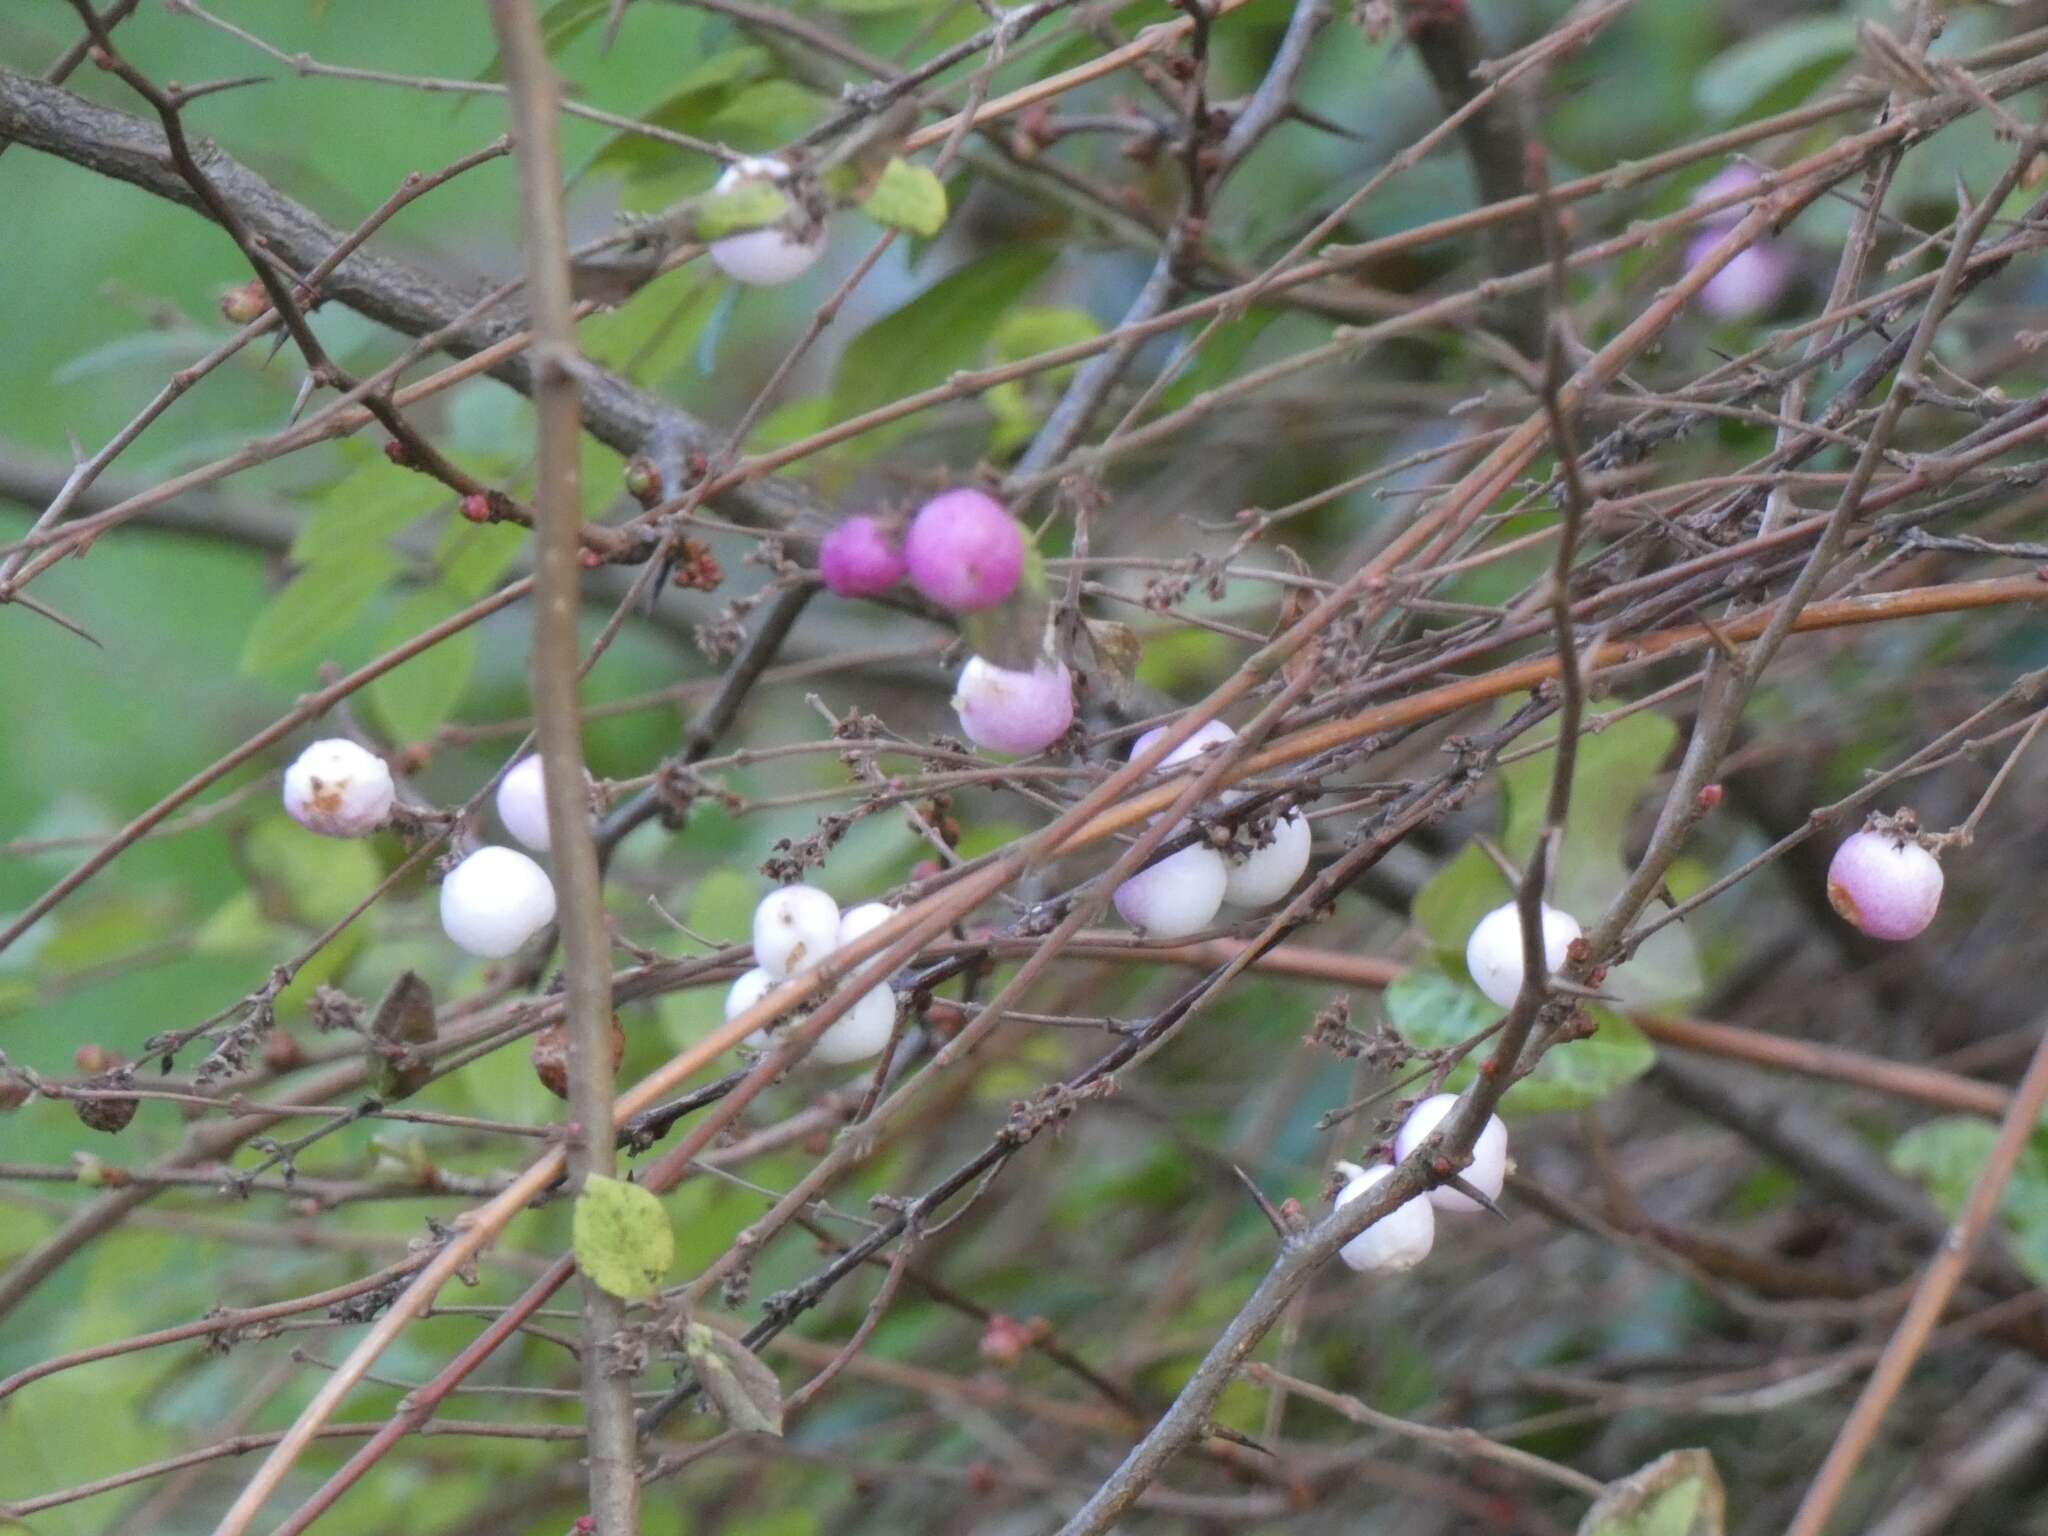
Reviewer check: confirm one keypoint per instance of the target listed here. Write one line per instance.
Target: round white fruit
(861, 1031)
(1267, 873)
(338, 789)
(794, 928)
(1489, 1167)
(857, 922)
(1210, 733)
(495, 900)
(1177, 896)
(1399, 1240)
(523, 803)
(771, 255)
(1494, 952)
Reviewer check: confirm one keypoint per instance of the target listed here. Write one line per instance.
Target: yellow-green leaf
(908, 197)
(623, 1239)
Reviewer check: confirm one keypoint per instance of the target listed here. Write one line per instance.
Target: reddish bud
(1710, 797)
(476, 506)
(1004, 1340)
(589, 559)
(92, 1058)
(13, 1094)
(398, 453)
(981, 1478)
(244, 303)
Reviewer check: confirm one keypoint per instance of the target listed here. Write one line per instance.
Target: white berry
(1887, 885)
(1399, 1240)
(1489, 1167)
(861, 1031)
(1267, 873)
(1210, 733)
(771, 255)
(338, 789)
(1175, 897)
(495, 900)
(794, 928)
(857, 922)
(1494, 952)
(523, 804)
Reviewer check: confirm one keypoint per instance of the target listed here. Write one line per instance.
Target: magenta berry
(1014, 712)
(1885, 883)
(860, 558)
(1750, 284)
(964, 551)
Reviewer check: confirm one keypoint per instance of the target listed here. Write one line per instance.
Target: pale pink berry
(1175, 897)
(964, 550)
(523, 803)
(859, 558)
(495, 900)
(771, 255)
(1014, 712)
(1733, 178)
(1269, 872)
(1489, 1167)
(338, 789)
(1752, 282)
(1494, 952)
(1399, 1240)
(1887, 885)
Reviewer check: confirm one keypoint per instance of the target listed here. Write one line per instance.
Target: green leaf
(414, 700)
(314, 609)
(907, 197)
(1678, 1494)
(1740, 78)
(733, 1377)
(306, 878)
(623, 1239)
(747, 205)
(943, 329)
(364, 509)
(1948, 1156)
(1457, 896)
(1432, 1011)
(473, 556)
(766, 115)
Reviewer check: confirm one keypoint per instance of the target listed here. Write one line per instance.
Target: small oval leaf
(623, 1239)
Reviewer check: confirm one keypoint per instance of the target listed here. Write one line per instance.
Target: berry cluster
(794, 929)
(1181, 893)
(495, 899)
(966, 553)
(1402, 1238)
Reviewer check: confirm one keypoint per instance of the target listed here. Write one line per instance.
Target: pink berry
(1887, 885)
(964, 551)
(1750, 284)
(1014, 712)
(1734, 178)
(859, 558)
